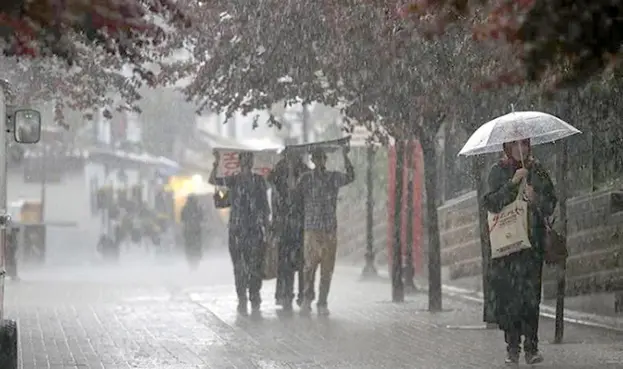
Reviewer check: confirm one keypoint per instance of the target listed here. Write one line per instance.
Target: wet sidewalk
(181, 321)
(365, 330)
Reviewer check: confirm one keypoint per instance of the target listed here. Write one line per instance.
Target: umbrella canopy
(265, 160)
(539, 127)
(328, 146)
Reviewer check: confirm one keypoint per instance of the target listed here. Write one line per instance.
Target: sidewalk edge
(547, 311)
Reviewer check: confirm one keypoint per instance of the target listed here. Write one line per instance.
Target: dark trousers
(529, 329)
(290, 264)
(246, 248)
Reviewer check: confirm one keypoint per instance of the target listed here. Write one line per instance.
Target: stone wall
(460, 241)
(595, 241)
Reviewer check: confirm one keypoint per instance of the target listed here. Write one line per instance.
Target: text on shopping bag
(506, 216)
(508, 229)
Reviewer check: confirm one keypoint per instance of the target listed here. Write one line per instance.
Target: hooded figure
(289, 225)
(516, 278)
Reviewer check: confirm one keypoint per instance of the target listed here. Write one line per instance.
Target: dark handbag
(555, 246)
(221, 199)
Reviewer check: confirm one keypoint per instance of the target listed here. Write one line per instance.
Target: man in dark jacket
(289, 225)
(248, 220)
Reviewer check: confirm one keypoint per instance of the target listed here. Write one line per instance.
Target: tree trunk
(398, 293)
(434, 244)
(409, 269)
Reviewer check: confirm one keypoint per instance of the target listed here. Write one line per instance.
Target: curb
(547, 311)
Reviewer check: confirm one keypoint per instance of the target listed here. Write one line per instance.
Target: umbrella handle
(523, 165)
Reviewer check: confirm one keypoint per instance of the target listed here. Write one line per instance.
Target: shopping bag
(509, 229)
(271, 257)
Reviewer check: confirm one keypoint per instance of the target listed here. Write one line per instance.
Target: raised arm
(225, 181)
(347, 178)
(274, 175)
(263, 200)
(502, 190)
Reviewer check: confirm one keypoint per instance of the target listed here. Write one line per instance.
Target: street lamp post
(409, 273)
(369, 270)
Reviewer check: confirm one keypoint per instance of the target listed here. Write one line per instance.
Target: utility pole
(231, 126)
(561, 269)
(305, 123)
(409, 272)
(369, 270)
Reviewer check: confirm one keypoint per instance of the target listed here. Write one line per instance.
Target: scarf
(509, 161)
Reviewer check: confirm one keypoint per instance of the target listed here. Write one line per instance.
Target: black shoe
(287, 306)
(323, 310)
(512, 357)
(255, 306)
(242, 308)
(511, 360)
(534, 358)
(305, 308)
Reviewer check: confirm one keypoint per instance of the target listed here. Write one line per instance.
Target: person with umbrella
(520, 182)
(516, 278)
(289, 224)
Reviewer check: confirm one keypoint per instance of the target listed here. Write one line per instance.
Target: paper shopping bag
(509, 229)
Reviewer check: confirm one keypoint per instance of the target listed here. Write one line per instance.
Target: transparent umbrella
(539, 127)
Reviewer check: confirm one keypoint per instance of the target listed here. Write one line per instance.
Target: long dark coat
(516, 279)
(289, 209)
(192, 220)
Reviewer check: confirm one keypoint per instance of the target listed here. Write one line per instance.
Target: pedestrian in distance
(192, 223)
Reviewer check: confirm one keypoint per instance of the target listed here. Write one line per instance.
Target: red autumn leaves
(41, 27)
